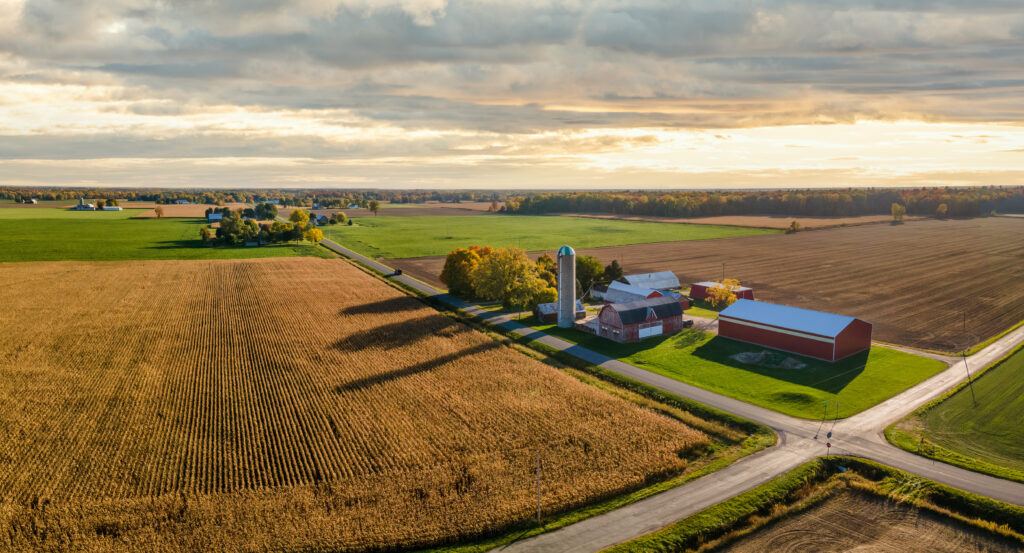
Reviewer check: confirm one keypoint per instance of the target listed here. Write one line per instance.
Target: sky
(419, 94)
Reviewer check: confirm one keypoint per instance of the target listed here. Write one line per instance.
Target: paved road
(799, 440)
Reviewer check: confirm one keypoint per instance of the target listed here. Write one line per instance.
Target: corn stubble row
(300, 403)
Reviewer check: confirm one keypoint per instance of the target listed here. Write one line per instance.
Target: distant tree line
(958, 202)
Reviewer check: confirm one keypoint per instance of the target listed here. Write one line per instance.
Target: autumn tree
(494, 206)
(942, 211)
(613, 271)
(266, 211)
(100, 204)
(898, 211)
(205, 234)
(159, 211)
(794, 226)
(458, 271)
(299, 217)
(313, 235)
(547, 267)
(508, 275)
(588, 270)
(723, 293)
(374, 207)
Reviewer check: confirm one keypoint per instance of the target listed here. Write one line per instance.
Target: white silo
(566, 287)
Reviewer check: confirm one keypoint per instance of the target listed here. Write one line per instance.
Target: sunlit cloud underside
(409, 94)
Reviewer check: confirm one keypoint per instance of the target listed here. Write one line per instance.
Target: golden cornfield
(293, 404)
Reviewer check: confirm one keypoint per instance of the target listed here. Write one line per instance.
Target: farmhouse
(636, 320)
(803, 331)
(663, 280)
(618, 292)
(548, 312)
(214, 217)
(699, 291)
(111, 208)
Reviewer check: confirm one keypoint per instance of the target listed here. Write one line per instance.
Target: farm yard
(986, 436)
(913, 282)
(59, 234)
(400, 237)
(703, 359)
(298, 403)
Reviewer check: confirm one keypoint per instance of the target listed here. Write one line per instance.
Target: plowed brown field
(912, 281)
(295, 404)
(758, 221)
(853, 522)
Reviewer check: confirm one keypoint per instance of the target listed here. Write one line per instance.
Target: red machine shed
(812, 333)
(699, 291)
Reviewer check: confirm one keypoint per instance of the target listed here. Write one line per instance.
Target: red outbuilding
(699, 291)
(803, 331)
(636, 320)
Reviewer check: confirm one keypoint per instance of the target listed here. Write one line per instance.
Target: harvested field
(292, 404)
(184, 210)
(912, 281)
(854, 521)
(757, 221)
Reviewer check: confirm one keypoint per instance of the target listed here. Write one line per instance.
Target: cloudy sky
(511, 94)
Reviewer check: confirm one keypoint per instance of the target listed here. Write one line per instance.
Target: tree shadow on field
(390, 305)
(176, 245)
(402, 333)
(821, 375)
(425, 366)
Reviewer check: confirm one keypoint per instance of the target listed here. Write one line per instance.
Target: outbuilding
(663, 280)
(699, 291)
(816, 334)
(548, 312)
(636, 320)
(619, 292)
(111, 208)
(214, 217)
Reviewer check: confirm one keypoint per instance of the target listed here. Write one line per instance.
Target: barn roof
(794, 318)
(661, 280)
(636, 311)
(619, 292)
(711, 284)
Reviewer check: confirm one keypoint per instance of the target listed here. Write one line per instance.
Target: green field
(61, 235)
(704, 360)
(395, 237)
(987, 436)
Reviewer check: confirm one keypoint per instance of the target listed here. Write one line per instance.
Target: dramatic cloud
(499, 93)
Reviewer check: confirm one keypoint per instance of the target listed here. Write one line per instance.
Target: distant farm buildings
(802, 331)
(548, 312)
(30, 201)
(699, 291)
(82, 206)
(663, 280)
(111, 208)
(636, 320)
(214, 217)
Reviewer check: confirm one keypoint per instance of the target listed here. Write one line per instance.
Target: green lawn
(396, 237)
(987, 436)
(704, 360)
(59, 234)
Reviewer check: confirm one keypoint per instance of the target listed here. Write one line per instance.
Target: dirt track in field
(756, 221)
(852, 522)
(912, 281)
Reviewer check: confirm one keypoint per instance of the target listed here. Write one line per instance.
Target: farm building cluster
(653, 304)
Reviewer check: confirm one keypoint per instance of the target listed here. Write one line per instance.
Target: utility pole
(970, 384)
(538, 487)
(723, 272)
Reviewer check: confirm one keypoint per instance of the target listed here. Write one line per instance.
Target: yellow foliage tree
(313, 235)
(509, 276)
(723, 294)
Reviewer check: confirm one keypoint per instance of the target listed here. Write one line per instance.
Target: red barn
(803, 331)
(636, 320)
(699, 291)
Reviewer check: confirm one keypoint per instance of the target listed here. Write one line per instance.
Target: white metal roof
(659, 280)
(709, 284)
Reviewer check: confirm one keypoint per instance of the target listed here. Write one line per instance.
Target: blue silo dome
(565, 250)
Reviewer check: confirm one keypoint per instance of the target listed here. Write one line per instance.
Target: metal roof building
(636, 320)
(803, 331)
(699, 290)
(619, 292)
(662, 280)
